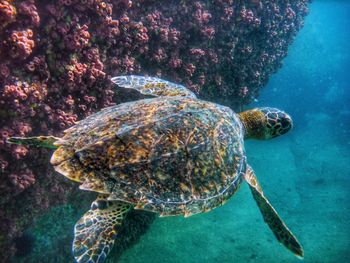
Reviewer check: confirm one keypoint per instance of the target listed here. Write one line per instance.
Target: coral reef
(56, 58)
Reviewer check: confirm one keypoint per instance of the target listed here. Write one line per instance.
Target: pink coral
(78, 39)
(3, 164)
(28, 8)
(7, 13)
(18, 152)
(21, 44)
(22, 180)
(243, 92)
(190, 69)
(175, 63)
(200, 15)
(4, 71)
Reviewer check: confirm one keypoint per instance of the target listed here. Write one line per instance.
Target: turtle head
(265, 123)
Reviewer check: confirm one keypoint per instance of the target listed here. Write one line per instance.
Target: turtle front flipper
(95, 232)
(39, 141)
(278, 227)
(152, 86)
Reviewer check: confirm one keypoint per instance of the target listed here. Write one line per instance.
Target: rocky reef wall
(56, 58)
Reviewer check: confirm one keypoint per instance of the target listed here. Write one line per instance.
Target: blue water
(305, 174)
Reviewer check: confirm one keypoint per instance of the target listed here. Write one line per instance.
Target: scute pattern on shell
(170, 155)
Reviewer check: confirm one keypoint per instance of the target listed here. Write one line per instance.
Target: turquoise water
(305, 174)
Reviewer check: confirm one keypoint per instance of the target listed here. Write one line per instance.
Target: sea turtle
(173, 154)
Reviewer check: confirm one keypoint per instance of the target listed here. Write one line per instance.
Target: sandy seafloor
(305, 174)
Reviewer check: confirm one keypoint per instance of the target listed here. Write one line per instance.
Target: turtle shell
(170, 155)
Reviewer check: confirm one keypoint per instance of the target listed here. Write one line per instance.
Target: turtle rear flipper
(95, 232)
(152, 86)
(278, 227)
(39, 141)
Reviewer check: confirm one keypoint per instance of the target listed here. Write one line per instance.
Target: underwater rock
(56, 58)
